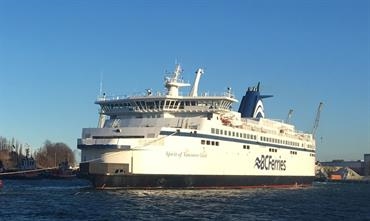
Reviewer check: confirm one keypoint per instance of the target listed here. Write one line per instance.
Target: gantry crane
(289, 116)
(317, 119)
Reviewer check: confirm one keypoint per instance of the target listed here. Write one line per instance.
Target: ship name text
(266, 162)
(185, 154)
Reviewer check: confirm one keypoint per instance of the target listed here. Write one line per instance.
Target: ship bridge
(160, 104)
(170, 102)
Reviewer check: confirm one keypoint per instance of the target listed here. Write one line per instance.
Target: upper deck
(157, 104)
(171, 101)
(208, 113)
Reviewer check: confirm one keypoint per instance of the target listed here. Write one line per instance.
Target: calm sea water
(76, 200)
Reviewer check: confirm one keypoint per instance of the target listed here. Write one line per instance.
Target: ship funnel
(194, 90)
(251, 104)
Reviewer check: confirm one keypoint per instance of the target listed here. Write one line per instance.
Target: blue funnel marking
(251, 104)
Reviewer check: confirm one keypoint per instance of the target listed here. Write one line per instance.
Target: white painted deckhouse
(171, 140)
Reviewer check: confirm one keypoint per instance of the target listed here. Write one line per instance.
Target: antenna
(101, 84)
(101, 94)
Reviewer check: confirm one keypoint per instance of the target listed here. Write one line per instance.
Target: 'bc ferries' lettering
(266, 162)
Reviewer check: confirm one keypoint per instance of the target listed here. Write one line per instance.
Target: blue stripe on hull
(195, 181)
(230, 139)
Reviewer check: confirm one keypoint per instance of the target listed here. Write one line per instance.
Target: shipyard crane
(317, 119)
(289, 116)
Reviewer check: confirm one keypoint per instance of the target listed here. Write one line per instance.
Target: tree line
(12, 152)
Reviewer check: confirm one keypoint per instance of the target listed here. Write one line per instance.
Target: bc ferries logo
(266, 162)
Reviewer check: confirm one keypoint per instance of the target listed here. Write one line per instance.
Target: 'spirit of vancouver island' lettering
(186, 154)
(266, 162)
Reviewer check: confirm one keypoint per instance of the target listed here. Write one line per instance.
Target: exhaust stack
(194, 90)
(251, 105)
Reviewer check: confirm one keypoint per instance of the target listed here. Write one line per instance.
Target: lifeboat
(225, 121)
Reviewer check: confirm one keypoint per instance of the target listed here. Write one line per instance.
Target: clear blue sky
(52, 54)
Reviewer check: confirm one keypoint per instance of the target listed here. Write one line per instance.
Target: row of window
(254, 137)
(216, 143)
(279, 141)
(272, 150)
(233, 134)
(310, 146)
(210, 142)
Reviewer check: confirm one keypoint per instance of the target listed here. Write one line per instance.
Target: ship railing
(222, 94)
(293, 134)
(110, 98)
(170, 79)
(279, 120)
(160, 94)
(120, 97)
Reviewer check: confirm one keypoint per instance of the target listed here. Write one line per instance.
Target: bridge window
(150, 105)
(181, 105)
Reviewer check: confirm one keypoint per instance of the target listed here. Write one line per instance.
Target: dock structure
(344, 171)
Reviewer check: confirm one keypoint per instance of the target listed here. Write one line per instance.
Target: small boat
(26, 169)
(1, 184)
(62, 172)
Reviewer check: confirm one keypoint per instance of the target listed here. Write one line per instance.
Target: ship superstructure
(170, 140)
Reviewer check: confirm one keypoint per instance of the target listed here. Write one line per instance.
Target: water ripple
(77, 200)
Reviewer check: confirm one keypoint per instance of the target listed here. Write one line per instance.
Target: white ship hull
(173, 141)
(179, 159)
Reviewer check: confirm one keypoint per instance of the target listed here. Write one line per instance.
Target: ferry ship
(175, 140)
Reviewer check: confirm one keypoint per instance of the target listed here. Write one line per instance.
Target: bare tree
(52, 154)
